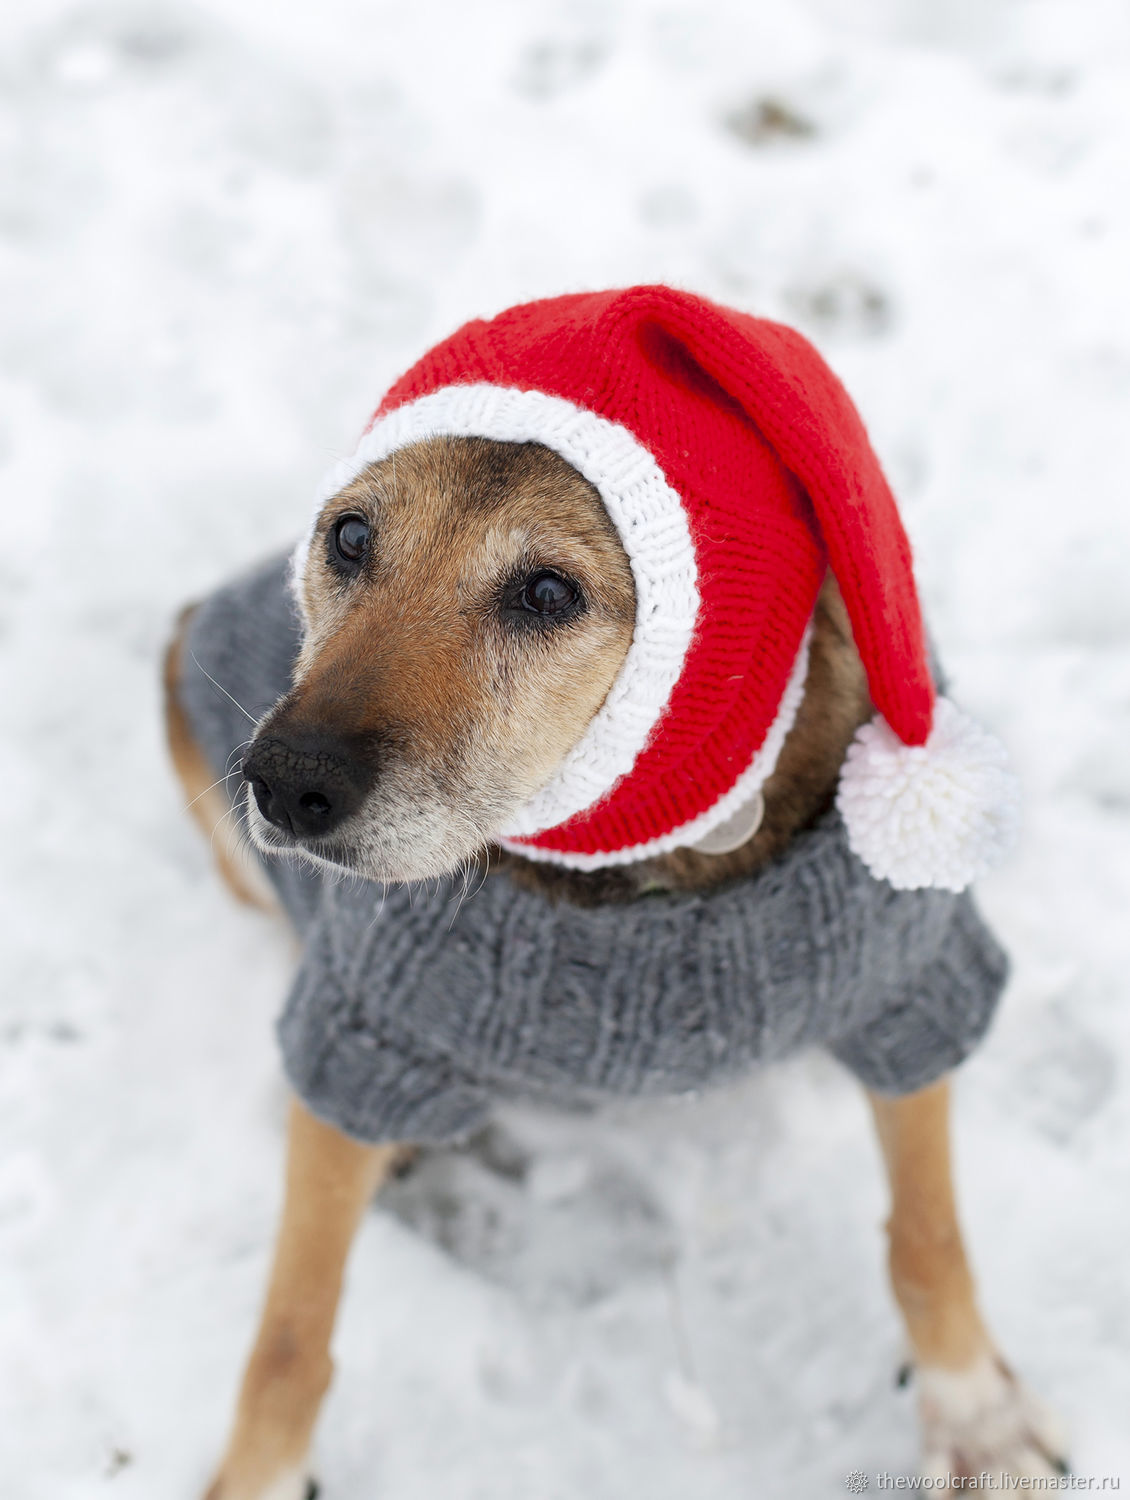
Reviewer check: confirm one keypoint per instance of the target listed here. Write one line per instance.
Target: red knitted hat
(736, 470)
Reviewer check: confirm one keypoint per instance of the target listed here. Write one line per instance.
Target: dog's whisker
(465, 869)
(250, 718)
(219, 781)
(241, 746)
(484, 874)
(217, 826)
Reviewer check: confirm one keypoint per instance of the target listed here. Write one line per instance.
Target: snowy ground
(222, 231)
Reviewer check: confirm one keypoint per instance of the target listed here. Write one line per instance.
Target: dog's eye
(547, 593)
(350, 539)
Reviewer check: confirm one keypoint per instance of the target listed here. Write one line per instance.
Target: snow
(223, 230)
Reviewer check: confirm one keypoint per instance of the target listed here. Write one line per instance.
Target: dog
(468, 606)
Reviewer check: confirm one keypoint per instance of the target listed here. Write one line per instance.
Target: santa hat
(736, 470)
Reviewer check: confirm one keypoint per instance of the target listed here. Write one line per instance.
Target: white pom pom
(938, 814)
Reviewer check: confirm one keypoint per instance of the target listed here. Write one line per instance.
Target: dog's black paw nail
(903, 1375)
(312, 1489)
(406, 1160)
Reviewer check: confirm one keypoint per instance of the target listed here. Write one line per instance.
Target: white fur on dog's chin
(382, 847)
(982, 1420)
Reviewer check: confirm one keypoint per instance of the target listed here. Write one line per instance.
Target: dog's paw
(294, 1484)
(983, 1421)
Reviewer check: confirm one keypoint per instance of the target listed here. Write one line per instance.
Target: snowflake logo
(856, 1482)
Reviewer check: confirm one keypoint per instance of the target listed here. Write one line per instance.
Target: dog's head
(468, 605)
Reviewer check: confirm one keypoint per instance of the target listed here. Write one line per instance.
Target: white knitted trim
(652, 525)
(751, 780)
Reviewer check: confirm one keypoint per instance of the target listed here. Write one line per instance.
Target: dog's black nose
(305, 784)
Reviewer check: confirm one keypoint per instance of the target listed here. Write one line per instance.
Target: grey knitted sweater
(413, 1008)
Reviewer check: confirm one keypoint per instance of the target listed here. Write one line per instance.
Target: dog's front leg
(976, 1416)
(329, 1181)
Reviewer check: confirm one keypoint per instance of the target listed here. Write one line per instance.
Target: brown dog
(468, 716)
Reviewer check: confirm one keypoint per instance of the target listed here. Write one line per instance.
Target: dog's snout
(305, 785)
